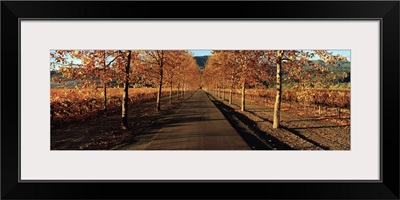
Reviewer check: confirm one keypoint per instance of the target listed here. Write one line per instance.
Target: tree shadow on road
(292, 130)
(247, 128)
(140, 140)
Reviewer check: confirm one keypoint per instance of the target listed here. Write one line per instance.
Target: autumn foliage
(97, 76)
(268, 71)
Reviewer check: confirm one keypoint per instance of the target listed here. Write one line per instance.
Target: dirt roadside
(296, 132)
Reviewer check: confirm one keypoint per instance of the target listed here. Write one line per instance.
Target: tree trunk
(158, 107)
(243, 108)
(158, 103)
(278, 100)
(170, 92)
(230, 96)
(105, 98)
(177, 93)
(125, 97)
(183, 90)
(105, 85)
(223, 88)
(231, 88)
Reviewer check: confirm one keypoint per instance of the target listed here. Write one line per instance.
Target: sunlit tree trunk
(223, 87)
(177, 92)
(243, 108)
(231, 88)
(158, 107)
(170, 91)
(125, 97)
(230, 96)
(278, 99)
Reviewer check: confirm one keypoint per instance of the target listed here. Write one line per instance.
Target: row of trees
(230, 69)
(127, 68)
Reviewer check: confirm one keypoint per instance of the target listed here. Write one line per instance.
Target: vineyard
(333, 103)
(72, 105)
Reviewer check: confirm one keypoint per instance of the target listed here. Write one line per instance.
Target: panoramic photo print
(200, 99)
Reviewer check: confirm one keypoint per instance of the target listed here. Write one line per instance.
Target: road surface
(198, 125)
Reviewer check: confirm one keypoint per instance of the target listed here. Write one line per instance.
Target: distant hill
(201, 61)
(342, 65)
(52, 72)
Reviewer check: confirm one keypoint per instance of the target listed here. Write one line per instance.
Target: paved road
(198, 125)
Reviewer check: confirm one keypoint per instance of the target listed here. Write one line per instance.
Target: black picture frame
(387, 11)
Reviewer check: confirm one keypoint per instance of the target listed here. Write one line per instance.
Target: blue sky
(345, 53)
(201, 52)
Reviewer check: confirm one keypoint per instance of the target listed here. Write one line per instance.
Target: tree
(104, 71)
(94, 67)
(158, 59)
(294, 64)
(211, 72)
(249, 63)
(122, 73)
(191, 74)
(221, 70)
(125, 96)
(174, 62)
(232, 70)
(278, 99)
